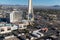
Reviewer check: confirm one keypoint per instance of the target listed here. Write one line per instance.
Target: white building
(37, 33)
(24, 24)
(16, 16)
(6, 28)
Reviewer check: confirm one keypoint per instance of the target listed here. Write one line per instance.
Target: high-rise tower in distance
(30, 11)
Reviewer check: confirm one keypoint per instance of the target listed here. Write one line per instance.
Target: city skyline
(35, 2)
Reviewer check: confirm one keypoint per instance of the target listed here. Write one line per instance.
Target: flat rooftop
(13, 38)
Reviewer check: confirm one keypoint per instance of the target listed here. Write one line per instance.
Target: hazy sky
(35, 2)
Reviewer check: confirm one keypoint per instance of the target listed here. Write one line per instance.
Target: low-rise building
(23, 24)
(6, 28)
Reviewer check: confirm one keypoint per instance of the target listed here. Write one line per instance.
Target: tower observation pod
(30, 11)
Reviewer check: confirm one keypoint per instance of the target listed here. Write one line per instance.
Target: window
(25, 26)
(7, 24)
(2, 30)
(20, 27)
(30, 16)
(1, 25)
(8, 28)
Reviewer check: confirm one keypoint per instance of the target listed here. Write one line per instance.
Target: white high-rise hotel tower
(30, 11)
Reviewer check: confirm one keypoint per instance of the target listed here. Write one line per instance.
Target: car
(38, 27)
(37, 35)
(41, 34)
